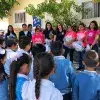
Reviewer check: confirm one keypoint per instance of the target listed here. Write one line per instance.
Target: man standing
(24, 32)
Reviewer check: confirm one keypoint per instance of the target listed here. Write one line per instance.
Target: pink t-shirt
(38, 38)
(82, 36)
(91, 36)
(71, 35)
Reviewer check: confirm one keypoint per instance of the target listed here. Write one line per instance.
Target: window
(94, 9)
(20, 17)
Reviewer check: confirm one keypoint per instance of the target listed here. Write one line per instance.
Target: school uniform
(4, 90)
(64, 75)
(86, 86)
(10, 55)
(21, 51)
(47, 91)
(22, 84)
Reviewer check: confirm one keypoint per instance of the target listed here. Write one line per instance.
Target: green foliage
(61, 12)
(5, 7)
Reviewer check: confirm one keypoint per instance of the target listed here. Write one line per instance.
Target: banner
(36, 21)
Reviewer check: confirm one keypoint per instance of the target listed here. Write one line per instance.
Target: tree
(67, 12)
(5, 7)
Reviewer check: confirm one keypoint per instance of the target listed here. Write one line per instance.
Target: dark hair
(47, 24)
(3, 75)
(24, 41)
(29, 25)
(60, 25)
(1, 40)
(24, 25)
(14, 69)
(95, 23)
(42, 69)
(11, 42)
(36, 29)
(72, 27)
(56, 48)
(38, 48)
(8, 32)
(91, 58)
(82, 24)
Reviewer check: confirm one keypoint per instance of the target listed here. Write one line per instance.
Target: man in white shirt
(12, 46)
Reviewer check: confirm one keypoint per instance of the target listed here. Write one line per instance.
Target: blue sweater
(64, 75)
(87, 86)
(19, 86)
(4, 90)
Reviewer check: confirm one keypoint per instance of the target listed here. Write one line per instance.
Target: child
(38, 37)
(2, 43)
(3, 77)
(87, 83)
(11, 47)
(24, 44)
(64, 74)
(18, 81)
(41, 88)
(38, 48)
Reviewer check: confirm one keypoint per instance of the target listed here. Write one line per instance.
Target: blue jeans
(80, 59)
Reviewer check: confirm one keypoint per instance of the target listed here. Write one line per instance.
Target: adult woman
(59, 34)
(10, 34)
(93, 35)
(49, 31)
(69, 38)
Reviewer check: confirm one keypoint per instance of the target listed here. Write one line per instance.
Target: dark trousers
(80, 58)
(67, 96)
(95, 47)
(71, 53)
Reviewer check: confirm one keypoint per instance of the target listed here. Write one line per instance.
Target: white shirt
(47, 92)
(25, 32)
(24, 87)
(10, 55)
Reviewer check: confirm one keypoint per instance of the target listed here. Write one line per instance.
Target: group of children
(30, 73)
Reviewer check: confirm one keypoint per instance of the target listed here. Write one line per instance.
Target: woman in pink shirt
(71, 35)
(38, 37)
(82, 38)
(93, 35)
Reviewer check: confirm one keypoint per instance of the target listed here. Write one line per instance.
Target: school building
(19, 16)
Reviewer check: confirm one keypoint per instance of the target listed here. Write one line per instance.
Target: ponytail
(37, 77)
(12, 81)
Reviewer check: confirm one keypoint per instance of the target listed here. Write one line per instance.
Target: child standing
(3, 77)
(18, 81)
(38, 37)
(38, 48)
(41, 88)
(12, 46)
(2, 43)
(64, 75)
(87, 83)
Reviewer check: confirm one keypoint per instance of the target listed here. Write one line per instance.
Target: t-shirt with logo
(92, 35)
(82, 37)
(38, 38)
